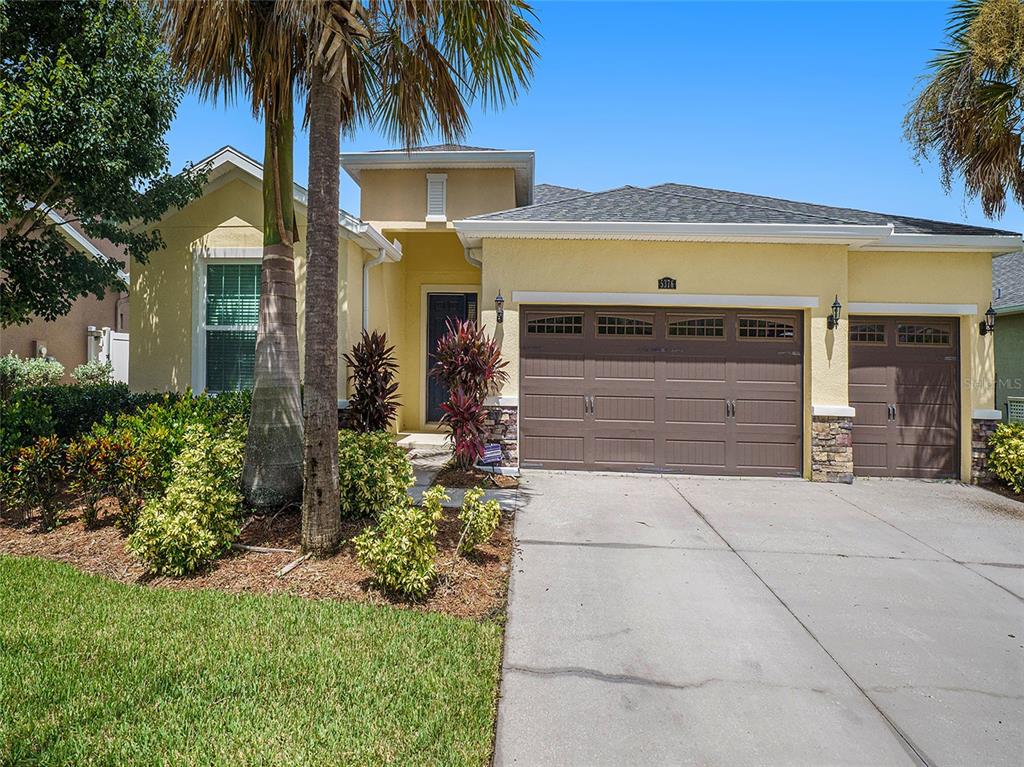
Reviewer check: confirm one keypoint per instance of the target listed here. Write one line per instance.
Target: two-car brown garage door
(634, 388)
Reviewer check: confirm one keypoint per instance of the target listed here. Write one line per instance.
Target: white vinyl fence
(108, 345)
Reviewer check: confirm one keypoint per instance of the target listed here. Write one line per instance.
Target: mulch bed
(1003, 490)
(467, 587)
(453, 476)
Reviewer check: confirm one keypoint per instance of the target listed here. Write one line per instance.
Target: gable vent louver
(437, 193)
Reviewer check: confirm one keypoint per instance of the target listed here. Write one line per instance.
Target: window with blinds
(437, 197)
(232, 318)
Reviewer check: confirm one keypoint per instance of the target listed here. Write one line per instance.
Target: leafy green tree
(86, 96)
(970, 112)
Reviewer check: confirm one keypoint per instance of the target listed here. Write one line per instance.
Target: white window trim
(201, 259)
(441, 178)
(660, 299)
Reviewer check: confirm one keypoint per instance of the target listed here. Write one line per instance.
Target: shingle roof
(680, 203)
(636, 204)
(904, 224)
(443, 148)
(1008, 280)
(543, 193)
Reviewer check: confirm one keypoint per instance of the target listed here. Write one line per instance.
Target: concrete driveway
(658, 620)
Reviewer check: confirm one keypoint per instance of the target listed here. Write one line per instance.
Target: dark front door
(904, 385)
(442, 307)
(715, 391)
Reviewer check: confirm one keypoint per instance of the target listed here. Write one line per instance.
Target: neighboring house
(671, 328)
(1008, 291)
(93, 328)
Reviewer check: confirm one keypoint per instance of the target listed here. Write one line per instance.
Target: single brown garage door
(904, 374)
(638, 389)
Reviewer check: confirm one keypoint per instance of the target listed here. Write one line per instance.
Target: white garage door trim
(926, 310)
(661, 299)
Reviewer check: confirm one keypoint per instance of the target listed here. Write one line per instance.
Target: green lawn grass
(94, 672)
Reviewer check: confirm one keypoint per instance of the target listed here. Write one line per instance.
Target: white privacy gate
(108, 345)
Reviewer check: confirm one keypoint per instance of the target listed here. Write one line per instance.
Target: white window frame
(442, 180)
(201, 259)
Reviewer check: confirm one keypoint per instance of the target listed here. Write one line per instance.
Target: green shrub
(23, 421)
(41, 371)
(400, 550)
(158, 431)
(93, 372)
(37, 475)
(17, 373)
(76, 408)
(374, 473)
(197, 519)
(11, 374)
(480, 520)
(1007, 456)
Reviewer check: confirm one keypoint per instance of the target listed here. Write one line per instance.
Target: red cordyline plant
(375, 391)
(468, 362)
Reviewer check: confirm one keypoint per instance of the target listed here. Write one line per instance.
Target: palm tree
(339, 29)
(970, 111)
(223, 48)
(414, 70)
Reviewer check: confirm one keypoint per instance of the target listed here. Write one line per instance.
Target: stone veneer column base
(981, 430)
(831, 449)
(503, 428)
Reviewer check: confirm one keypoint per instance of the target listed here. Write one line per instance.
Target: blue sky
(798, 100)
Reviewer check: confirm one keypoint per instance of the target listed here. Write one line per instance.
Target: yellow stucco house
(669, 328)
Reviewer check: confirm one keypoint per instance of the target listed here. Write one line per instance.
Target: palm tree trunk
(321, 514)
(272, 475)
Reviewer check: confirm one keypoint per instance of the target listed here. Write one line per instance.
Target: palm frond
(970, 111)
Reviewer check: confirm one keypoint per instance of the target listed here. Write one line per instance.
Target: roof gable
(227, 163)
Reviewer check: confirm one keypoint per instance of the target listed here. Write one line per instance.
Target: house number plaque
(667, 283)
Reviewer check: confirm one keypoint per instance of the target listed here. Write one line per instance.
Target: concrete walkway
(759, 622)
(428, 459)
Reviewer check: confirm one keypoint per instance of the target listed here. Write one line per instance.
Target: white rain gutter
(388, 251)
(856, 236)
(472, 231)
(370, 239)
(380, 259)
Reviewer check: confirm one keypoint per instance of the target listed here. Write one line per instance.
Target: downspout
(380, 259)
(468, 253)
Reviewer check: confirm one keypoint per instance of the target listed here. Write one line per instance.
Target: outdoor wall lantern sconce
(988, 325)
(833, 319)
(499, 307)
